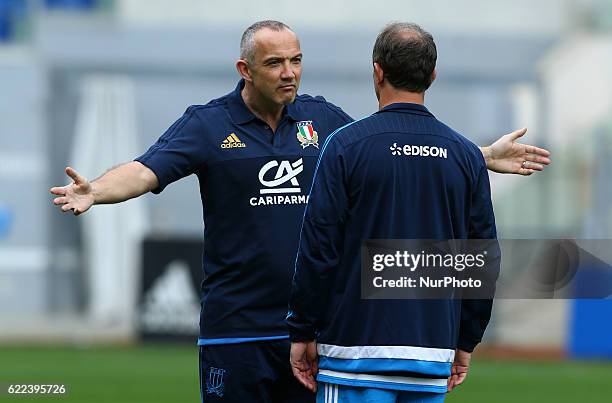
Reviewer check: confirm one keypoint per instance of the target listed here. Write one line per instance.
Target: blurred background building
(92, 83)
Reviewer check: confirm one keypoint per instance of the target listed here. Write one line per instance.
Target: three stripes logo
(330, 393)
(232, 141)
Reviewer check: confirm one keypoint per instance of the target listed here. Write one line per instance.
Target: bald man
(254, 152)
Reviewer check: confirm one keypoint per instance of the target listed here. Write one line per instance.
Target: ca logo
(286, 172)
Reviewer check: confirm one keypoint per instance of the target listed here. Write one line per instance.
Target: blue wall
(591, 329)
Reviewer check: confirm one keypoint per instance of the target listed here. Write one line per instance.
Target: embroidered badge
(214, 381)
(306, 134)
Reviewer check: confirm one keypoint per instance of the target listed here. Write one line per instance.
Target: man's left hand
(305, 363)
(459, 369)
(506, 156)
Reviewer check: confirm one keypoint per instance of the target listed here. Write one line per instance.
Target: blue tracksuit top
(369, 185)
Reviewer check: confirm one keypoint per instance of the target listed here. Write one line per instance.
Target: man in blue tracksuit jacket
(370, 183)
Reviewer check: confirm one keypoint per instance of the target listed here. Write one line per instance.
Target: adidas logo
(232, 141)
(171, 305)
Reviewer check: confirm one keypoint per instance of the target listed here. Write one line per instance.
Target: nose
(287, 72)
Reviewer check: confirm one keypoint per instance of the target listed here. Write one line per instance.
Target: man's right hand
(77, 197)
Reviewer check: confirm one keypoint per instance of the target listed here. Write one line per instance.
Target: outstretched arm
(119, 184)
(506, 156)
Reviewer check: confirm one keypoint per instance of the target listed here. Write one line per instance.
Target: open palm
(508, 156)
(77, 196)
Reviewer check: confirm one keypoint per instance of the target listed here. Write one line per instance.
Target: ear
(243, 69)
(379, 74)
(434, 74)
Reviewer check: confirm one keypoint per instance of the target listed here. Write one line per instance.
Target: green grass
(151, 374)
(167, 373)
(527, 382)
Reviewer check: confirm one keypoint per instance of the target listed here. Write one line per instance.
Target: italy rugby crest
(306, 134)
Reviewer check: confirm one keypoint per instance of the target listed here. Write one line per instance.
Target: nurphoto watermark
(485, 269)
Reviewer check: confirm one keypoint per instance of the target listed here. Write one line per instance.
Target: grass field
(162, 373)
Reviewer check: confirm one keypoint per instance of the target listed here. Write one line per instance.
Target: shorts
(332, 393)
(250, 372)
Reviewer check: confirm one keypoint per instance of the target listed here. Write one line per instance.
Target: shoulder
(213, 108)
(354, 131)
(471, 149)
(199, 119)
(307, 103)
(345, 135)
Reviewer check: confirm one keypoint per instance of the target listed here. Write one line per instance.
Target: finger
(311, 384)
(451, 383)
(525, 171)
(537, 158)
(298, 364)
(314, 370)
(305, 380)
(518, 133)
(60, 191)
(534, 167)
(302, 374)
(537, 150)
(460, 378)
(315, 366)
(74, 175)
(59, 200)
(66, 207)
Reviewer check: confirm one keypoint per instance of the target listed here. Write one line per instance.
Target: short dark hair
(247, 42)
(407, 55)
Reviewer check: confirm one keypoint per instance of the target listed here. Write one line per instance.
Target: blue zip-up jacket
(374, 180)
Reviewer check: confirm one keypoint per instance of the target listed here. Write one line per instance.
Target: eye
(296, 60)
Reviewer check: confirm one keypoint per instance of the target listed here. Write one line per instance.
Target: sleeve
(178, 152)
(320, 245)
(476, 313)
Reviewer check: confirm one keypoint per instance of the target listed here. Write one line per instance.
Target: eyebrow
(273, 58)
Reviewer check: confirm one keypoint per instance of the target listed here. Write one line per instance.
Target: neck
(268, 112)
(390, 96)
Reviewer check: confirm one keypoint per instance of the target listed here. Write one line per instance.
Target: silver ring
(524, 164)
